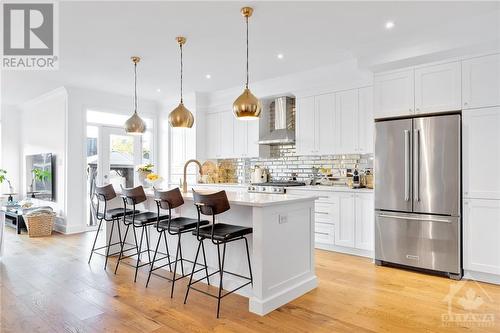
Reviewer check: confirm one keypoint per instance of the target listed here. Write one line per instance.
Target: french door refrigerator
(418, 193)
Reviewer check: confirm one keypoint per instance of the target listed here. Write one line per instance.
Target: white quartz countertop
(242, 197)
(331, 188)
(302, 188)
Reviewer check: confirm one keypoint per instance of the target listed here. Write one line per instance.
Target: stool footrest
(222, 296)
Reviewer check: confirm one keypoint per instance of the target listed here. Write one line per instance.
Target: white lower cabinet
(344, 229)
(344, 220)
(481, 152)
(364, 228)
(481, 236)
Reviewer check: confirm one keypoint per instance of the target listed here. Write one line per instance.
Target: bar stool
(104, 194)
(219, 234)
(176, 227)
(138, 220)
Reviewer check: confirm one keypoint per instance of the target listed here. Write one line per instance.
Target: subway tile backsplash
(283, 162)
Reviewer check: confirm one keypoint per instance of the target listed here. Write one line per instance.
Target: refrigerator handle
(407, 165)
(417, 164)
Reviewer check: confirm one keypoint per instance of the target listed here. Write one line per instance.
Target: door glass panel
(147, 148)
(121, 160)
(92, 146)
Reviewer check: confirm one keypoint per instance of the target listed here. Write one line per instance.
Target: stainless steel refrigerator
(418, 193)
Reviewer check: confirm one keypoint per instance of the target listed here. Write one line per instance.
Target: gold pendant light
(135, 125)
(181, 116)
(247, 106)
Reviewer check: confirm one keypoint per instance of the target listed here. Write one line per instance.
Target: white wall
(11, 146)
(79, 101)
(43, 127)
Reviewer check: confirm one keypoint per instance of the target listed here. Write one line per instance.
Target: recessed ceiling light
(208, 76)
(389, 25)
(158, 90)
(280, 56)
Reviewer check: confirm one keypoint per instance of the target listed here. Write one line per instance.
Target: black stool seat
(115, 212)
(180, 224)
(223, 232)
(146, 217)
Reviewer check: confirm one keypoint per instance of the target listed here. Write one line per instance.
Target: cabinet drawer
(322, 218)
(324, 233)
(323, 207)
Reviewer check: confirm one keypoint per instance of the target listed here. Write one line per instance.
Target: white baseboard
(263, 307)
(483, 277)
(346, 250)
(61, 227)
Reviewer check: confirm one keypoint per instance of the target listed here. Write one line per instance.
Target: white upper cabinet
(481, 232)
(305, 126)
(240, 137)
(335, 123)
(212, 141)
(394, 94)
(325, 122)
(253, 147)
(481, 153)
(346, 109)
(438, 88)
(226, 130)
(364, 121)
(481, 82)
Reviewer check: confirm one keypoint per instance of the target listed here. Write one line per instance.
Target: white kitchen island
(281, 246)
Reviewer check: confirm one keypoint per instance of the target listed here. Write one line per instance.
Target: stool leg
(154, 259)
(180, 255)
(138, 254)
(95, 240)
(204, 260)
(221, 269)
(147, 241)
(192, 272)
(168, 253)
(175, 265)
(119, 231)
(109, 243)
(249, 265)
(121, 249)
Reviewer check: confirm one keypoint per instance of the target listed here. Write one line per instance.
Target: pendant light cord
(135, 87)
(180, 44)
(246, 85)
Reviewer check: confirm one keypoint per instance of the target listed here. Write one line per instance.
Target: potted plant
(153, 179)
(142, 172)
(3, 178)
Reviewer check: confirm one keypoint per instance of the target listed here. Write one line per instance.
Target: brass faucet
(184, 183)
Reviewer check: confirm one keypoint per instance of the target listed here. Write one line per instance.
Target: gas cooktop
(277, 187)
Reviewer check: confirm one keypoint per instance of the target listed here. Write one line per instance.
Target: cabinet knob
(410, 109)
(418, 109)
(465, 103)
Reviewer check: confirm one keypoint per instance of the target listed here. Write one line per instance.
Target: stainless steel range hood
(283, 131)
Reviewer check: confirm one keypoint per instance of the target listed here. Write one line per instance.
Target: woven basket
(40, 224)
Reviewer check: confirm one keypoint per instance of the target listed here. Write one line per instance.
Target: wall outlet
(283, 219)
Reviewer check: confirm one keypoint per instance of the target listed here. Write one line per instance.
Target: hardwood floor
(46, 285)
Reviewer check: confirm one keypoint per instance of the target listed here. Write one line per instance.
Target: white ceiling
(97, 39)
